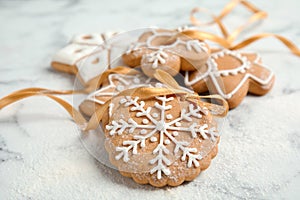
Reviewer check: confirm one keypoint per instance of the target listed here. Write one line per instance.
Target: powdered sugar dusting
(259, 149)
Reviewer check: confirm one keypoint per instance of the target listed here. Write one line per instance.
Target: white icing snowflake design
(157, 57)
(153, 123)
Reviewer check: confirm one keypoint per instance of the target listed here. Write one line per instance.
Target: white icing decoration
(90, 39)
(191, 45)
(155, 115)
(167, 141)
(169, 116)
(158, 85)
(86, 46)
(196, 45)
(157, 57)
(145, 121)
(166, 131)
(213, 72)
(153, 139)
(123, 82)
(72, 53)
(111, 106)
(175, 133)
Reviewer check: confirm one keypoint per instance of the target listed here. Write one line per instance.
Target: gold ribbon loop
(227, 40)
(93, 123)
(29, 92)
(290, 45)
(166, 78)
(96, 82)
(216, 110)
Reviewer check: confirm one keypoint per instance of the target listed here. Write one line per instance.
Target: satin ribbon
(143, 94)
(227, 39)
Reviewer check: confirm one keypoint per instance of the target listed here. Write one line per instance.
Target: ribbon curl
(227, 39)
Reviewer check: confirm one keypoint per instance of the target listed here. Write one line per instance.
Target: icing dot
(143, 131)
(177, 124)
(169, 116)
(158, 85)
(123, 100)
(145, 121)
(233, 73)
(136, 80)
(155, 115)
(224, 73)
(175, 133)
(153, 139)
(120, 87)
(167, 141)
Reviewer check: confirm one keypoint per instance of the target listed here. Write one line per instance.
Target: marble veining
(41, 155)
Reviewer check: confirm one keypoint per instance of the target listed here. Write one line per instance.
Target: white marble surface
(41, 156)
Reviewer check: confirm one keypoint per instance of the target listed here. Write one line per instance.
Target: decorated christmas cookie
(232, 75)
(162, 140)
(169, 50)
(90, 50)
(114, 84)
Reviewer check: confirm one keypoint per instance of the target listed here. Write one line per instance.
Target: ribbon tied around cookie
(143, 93)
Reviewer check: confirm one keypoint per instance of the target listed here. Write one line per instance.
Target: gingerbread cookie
(163, 140)
(114, 84)
(232, 75)
(169, 50)
(91, 51)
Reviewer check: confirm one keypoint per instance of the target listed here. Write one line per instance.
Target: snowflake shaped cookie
(232, 75)
(160, 141)
(167, 49)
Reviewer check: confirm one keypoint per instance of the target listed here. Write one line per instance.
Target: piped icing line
(191, 45)
(241, 69)
(124, 82)
(212, 72)
(155, 123)
(88, 39)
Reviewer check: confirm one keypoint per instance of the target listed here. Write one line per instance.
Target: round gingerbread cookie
(189, 53)
(163, 140)
(232, 75)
